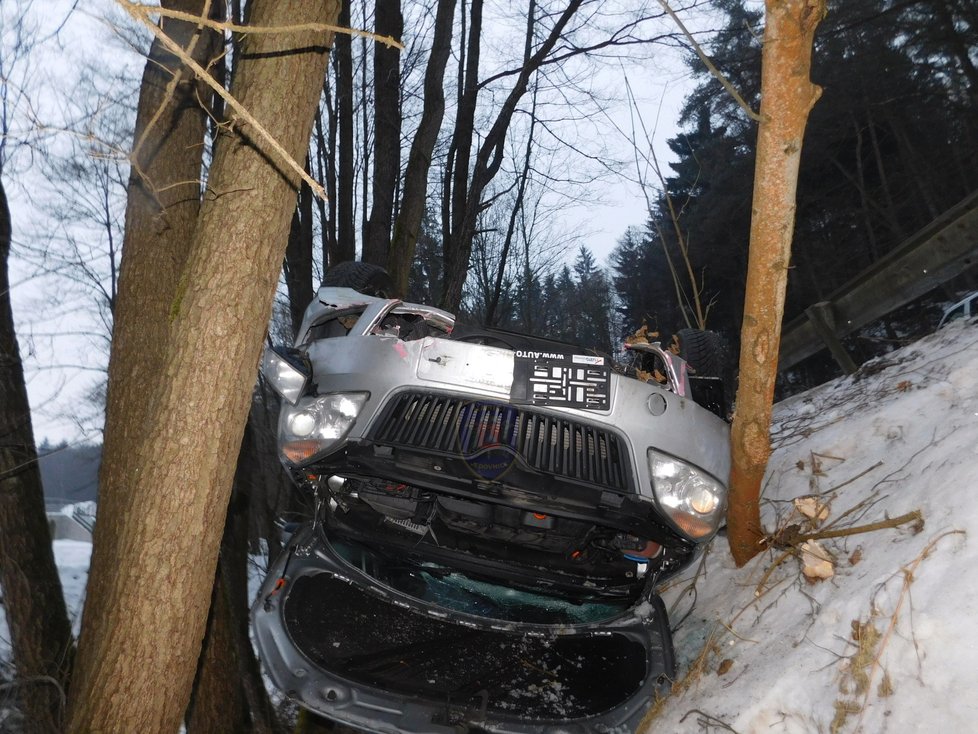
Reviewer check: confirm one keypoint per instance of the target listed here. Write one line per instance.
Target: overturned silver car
(493, 514)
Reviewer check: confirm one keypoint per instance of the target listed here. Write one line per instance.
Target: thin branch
(861, 474)
(168, 93)
(759, 590)
(681, 297)
(736, 634)
(892, 522)
(142, 13)
(706, 719)
(709, 64)
(907, 572)
(148, 10)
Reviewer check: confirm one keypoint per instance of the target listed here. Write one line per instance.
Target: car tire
(366, 278)
(703, 351)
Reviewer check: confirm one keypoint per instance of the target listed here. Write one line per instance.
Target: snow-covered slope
(72, 557)
(889, 642)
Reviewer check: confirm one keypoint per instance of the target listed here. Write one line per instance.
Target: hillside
(885, 643)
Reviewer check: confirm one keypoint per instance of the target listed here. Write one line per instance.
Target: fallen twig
(908, 577)
(706, 718)
(892, 522)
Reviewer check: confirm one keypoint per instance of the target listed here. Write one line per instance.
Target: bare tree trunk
(921, 175)
(345, 246)
(35, 608)
(787, 96)
(250, 493)
(298, 257)
(364, 142)
(405, 237)
(889, 207)
(387, 132)
(529, 288)
(863, 194)
(218, 704)
(456, 184)
(161, 211)
(514, 214)
(270, 491)
(147, 610)
(326, 172)
(467, 205)
(229, 694)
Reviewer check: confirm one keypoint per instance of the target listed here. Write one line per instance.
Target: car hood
(409, 647)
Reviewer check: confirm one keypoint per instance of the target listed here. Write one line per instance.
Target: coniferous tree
(892, 143)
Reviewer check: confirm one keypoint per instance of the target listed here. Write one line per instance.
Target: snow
(901, 436)
(72, 558)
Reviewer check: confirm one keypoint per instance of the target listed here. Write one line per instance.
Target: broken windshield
(457, 591)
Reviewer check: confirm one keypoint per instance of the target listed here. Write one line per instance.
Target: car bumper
(640, 416)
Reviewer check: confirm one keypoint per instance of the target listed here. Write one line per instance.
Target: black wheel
(367, 278)
(704, 353)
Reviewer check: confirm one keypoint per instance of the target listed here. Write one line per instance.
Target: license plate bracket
(580, 381)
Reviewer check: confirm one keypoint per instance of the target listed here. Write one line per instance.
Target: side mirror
(287, 370)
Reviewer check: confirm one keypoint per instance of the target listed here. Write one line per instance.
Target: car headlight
(315, 424)
(287, 371)
(693, 499)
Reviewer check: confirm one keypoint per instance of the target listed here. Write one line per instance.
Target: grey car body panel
(383, 365)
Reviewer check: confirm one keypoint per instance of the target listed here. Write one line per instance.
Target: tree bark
(161, 211)
(229, 694)
(40, 632)
(252, 487)
(387, 132)
(218, 704)
(345, 246)
(145, 620)
(787, 96)
(414, 198)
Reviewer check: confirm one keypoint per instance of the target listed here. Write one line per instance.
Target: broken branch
(893, 522)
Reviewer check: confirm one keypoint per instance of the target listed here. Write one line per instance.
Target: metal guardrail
(943, 249)
(54, 504)
(84, 515)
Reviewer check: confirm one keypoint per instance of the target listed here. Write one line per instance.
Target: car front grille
(467, 428)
